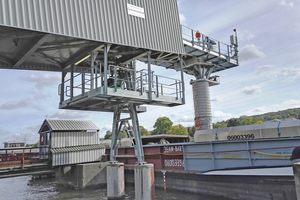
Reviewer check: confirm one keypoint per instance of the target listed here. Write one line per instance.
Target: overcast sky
(267, 79)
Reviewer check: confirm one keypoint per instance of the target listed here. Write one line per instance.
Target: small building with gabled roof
(70, 141)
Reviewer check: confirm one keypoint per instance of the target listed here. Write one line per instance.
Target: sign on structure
(136, 11)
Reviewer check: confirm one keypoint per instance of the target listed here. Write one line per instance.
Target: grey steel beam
(6, 61)
(49, 58)
(82, 54)
(28, 52)
(135, 57)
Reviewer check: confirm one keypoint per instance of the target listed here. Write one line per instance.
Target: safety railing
(199, 39)
(120, 78)
(16, 156)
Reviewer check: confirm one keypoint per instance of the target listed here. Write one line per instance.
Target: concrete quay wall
(233, 187)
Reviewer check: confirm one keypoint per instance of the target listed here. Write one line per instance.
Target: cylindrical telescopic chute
(202, 106)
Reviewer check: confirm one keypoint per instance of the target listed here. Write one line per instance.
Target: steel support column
(62, 86)
(149, 77)
(138, 148)
(72, 82)
(105, 68)
(182, 80)
(115, 133)
(117, 128)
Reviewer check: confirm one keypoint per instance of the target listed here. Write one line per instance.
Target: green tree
(162, 126)
(108, 135)
(232, 122)
(178, 130)
(191, 131)
(144, 132)
(219, 125)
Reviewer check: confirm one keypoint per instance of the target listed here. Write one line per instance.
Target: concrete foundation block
(144, 181)
(115, 180)
(82, 175)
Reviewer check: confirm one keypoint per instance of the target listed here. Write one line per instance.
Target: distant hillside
(259, 119)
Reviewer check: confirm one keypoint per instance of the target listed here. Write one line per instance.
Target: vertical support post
(249, 154)
(203, 41)
(115, 133)
(157, 90)
(72, 82)
(142, 86)
(105, 69)
(149, 78)
(82, 83)
(176, 89)
(96, 77)
(62, 86)
(115, 78)
(193, 42)
(133, 66)
(182, 80)
(212, 156)
(219, 48)
(23, 155)
(92, 71)
(139, 152)
(228, 54)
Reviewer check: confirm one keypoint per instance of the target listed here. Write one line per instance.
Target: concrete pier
(115, 180)
(144, 181)
(296, 169)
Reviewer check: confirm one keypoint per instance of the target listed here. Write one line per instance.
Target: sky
(267, 79)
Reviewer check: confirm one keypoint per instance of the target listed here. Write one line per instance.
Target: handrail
(134, 80)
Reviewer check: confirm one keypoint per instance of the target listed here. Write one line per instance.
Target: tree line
(164, 125)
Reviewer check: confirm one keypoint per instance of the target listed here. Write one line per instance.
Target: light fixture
(83, 59)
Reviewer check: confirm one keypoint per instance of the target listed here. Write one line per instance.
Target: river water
(24, 188)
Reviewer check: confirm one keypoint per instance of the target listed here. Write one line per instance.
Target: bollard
(115, 180)
(144, 181)
(296, 169)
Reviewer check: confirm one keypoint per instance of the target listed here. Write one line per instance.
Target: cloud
(33, 128)
(255, 89)
(287, 3)
(291, 74)
(2, 132)
(182, 18)
(220, 114)
(262, 69)
(66, 114)
(288, 74)
(29, 138)
(106, 128)
(292, 103)
(12, 105)
(250, 52)
(186, 119)
(43, 81)
(246, 35)
(216, 99)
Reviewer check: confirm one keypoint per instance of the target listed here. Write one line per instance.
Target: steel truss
(133, 131)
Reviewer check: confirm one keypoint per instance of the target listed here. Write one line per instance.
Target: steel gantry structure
(95, 46)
